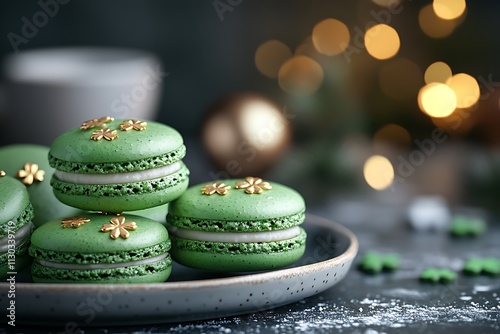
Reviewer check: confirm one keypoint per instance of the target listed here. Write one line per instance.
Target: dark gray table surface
(385, 303)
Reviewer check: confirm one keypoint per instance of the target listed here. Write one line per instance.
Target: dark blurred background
(338, 106)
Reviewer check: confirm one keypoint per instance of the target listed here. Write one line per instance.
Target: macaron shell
(46, 206)
(88, 238)
(93, 197)
(14, 199)
(75, 145)
(148, 273)
(253, 256)
(237, 205)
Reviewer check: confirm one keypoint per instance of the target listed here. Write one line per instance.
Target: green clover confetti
(374, 263)
(435, 275)
(465, 227)
(478, 266)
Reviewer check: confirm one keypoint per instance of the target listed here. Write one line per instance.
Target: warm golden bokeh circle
(433, 26)
(382, 41)
(437, 72)
(466, 89)
(378, 172)
(330, 37)
(448, 9)
(300, 76)
(437, 100)
(270, 56)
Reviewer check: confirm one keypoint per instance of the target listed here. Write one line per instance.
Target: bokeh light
(300, 76)
(400, 79)
(392, 134)
(435, 27)
(449, 9)
(270, 56)
(437, 72)
(437, 100)
(378, 172)
(466, 89)
(263, 125)
(330, 37)
(382, 41)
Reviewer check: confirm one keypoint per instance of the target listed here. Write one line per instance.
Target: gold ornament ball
(245, 134)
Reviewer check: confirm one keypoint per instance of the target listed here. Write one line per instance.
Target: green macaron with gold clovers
(237, 225)
(98, 248)
(30, 165)
(118, 165)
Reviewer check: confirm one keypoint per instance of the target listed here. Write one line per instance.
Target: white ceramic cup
(48, 91)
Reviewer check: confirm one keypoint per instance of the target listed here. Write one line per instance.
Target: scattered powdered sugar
(327, 317)
(388, 313)
(406, 293)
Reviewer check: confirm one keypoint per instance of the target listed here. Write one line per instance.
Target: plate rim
(257, 278)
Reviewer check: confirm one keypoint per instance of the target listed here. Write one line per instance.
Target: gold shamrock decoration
(219, 188)
(119, 227)
(92, 123)
(133, 124)
(104, 133)
(30, 174)
(2, 173)
(74, 221)
(253, 185)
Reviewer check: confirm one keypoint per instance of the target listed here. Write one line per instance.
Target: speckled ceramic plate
(190, 294)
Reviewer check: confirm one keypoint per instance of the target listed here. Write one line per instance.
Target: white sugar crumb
(484, 288)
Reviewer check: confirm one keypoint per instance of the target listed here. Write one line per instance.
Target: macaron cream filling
(72, 266)
(128, 177)
(236, 237)
(20, 236)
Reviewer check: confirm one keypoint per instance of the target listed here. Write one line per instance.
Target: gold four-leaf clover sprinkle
(74, 221)
(133, 124)
(30, 174)
(119, 227)
(253, 185)
(92, 123)
(104, 133)
(219, 188)
(2, 173)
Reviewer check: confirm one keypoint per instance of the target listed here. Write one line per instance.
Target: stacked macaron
(110, 166)
(118, 165)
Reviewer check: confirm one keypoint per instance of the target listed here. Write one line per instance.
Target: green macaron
(118, 165)
(95, 248)
(16, 213)
(237, 225)
(30, 165)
